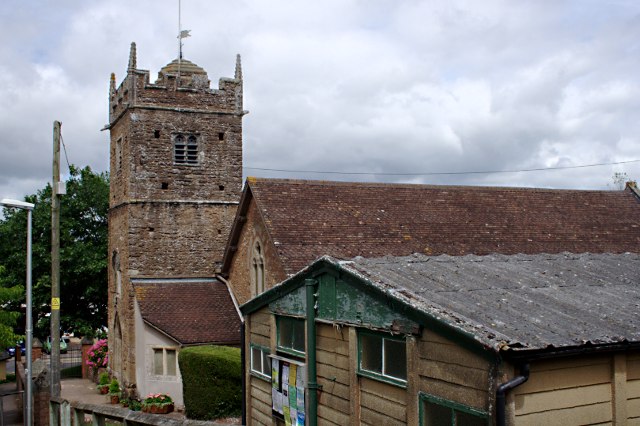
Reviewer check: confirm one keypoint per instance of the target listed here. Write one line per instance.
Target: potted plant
(114, 391)
(97, 357)
(103, 383)
(135, 405)
(157, 403)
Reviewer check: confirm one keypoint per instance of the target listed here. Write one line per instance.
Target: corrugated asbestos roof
(189, 311)
(309, 219)
(519, 302)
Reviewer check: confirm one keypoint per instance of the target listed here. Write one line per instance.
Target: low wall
(72, 413)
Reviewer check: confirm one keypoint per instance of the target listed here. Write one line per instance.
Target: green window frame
(260, 362)
(382, 356)
(436, 411)
(291, 335)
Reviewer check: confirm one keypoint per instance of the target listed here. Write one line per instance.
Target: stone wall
(240, 269)
(167, 218)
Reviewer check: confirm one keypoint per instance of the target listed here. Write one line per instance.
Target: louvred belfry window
(185, 149)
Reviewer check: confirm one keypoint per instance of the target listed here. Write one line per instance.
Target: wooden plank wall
(633, 389)
(259, 389)
(451, 372)
(568, 392)
(332, 356)
(382, 403)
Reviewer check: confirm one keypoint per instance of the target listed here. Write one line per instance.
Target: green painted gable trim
(347, 298)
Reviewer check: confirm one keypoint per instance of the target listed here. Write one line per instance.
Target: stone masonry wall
(177, 240)
(169, 220)
(240, 269)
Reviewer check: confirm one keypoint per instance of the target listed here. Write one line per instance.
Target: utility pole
(55, 263)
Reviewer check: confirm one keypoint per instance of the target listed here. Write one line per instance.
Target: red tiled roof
(189, 311)
(308, 219)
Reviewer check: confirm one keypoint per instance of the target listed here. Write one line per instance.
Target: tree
(9, 311)
(620, 180)
(83, 252)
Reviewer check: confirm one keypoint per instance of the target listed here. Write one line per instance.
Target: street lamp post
(29, 327)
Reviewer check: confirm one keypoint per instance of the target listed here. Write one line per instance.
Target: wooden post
(55, 265)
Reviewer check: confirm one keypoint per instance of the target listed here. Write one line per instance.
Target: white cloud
(365, 86)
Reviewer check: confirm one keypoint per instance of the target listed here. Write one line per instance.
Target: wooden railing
(66, 413)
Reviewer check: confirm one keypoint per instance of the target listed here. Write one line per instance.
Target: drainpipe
(502, 390)
(312, 379)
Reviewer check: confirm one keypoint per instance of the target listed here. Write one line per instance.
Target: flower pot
(115, 399)
(104, 390)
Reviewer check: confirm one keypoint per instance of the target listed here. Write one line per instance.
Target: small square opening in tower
(165, 185)
(221, 136)
(221, 187)
(156, 134)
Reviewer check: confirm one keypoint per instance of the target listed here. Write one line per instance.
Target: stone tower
(176, 178)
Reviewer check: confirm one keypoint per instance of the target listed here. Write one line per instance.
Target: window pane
(395, 359)
(437, 415)
(256, 357)
(266, 364)
(157, 362)
(465, 419)
(298, 336)
(291, 333)
(171, 362)
(285, 332)
(371, 353)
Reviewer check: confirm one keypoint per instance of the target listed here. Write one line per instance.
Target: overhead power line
(469, 172)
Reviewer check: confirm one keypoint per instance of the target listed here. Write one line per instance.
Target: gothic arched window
(257, 270)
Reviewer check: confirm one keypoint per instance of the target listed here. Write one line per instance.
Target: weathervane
(181, 34)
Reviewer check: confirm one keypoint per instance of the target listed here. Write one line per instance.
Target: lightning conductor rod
(179, 37)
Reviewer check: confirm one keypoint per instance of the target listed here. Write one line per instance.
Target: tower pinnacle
(238, 75)
(132, 57)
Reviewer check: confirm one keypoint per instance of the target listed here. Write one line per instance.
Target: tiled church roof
(308, 219)
(189, 311)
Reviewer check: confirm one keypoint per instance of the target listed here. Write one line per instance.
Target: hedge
(211, 381)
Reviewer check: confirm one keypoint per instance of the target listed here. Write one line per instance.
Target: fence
(65, 413)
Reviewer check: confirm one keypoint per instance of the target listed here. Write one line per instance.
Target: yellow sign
(55, 304)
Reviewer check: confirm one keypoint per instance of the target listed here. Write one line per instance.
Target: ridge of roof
(311, 182)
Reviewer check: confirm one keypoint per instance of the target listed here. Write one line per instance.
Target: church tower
(176, 179)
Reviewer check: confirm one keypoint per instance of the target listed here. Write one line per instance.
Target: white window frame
(382, 375)
(259, 370)
(164, 350)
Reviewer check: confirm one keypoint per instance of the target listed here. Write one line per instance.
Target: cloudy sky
(385, 90)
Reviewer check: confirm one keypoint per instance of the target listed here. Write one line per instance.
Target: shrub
(97, 356)
(211, 381)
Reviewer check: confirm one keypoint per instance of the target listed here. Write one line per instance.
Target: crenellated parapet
(181, 86)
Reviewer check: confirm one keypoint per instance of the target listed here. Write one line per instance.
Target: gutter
(505, 387)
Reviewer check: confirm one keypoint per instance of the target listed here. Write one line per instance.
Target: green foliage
(83, 252)
(11, 377)
(114, 387)
(211, 381)
(134, 404)
(103, 379)
(9, 313)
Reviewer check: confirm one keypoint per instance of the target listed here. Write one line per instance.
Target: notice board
(288, 385)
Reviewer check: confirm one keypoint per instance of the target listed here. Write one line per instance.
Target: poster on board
(288, 383)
